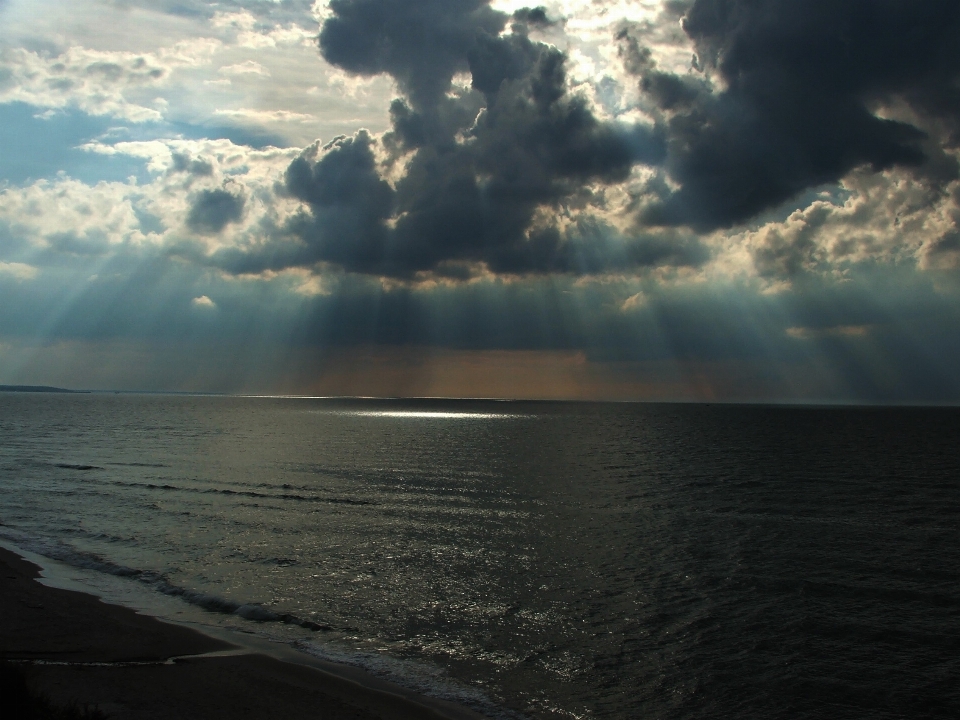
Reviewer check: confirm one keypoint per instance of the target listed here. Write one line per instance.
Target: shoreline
(76, 648)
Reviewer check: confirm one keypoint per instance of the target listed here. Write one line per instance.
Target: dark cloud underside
(803, 81)
(422, 44)
(480, 162)
(788, 95)
(213, 210)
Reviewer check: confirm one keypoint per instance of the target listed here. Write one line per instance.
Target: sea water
(532, 560)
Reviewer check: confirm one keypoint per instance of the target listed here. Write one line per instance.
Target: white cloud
(72, 217)
(245, 30)
(203, 302)
(886, 218)
(284, 116)
(312, 286)
(247, 67)
(239, 161)
(20, 271)
(65, 217)
(140, 64)
(634, 302)
(95, 81)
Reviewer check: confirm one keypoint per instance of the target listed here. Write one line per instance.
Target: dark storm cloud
(349, 201)
(421, 43)
(480, 162)
(534, 17)
(195, 166)
(802, 81)
(785, 99)
(213, 210)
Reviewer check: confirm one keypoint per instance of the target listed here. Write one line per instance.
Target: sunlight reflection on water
(431, 415)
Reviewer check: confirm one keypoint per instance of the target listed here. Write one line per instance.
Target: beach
(75, 649)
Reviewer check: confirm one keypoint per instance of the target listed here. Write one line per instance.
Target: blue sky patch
(37, 148)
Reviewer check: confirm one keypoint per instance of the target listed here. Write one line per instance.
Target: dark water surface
(537, 559)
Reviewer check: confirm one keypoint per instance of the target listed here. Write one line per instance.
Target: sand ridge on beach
(76, 649)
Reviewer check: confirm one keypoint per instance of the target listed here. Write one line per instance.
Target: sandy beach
(76, 649)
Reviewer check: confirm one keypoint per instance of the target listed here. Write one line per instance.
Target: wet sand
(77, 649)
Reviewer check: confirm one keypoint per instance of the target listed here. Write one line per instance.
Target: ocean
(538, 560)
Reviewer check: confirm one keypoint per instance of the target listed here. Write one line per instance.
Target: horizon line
(821, 403)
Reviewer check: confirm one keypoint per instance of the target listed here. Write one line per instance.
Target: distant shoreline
(37, 389)
(817, 404)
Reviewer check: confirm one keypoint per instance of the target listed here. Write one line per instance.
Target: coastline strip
(77, 649)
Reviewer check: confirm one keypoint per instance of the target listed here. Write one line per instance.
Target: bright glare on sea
(529, 559)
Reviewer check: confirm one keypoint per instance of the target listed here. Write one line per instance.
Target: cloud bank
(497, 162)
(469, 175)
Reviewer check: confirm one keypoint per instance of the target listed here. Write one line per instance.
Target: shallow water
(537, 559)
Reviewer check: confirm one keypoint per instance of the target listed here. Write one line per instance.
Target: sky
(681, 200)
